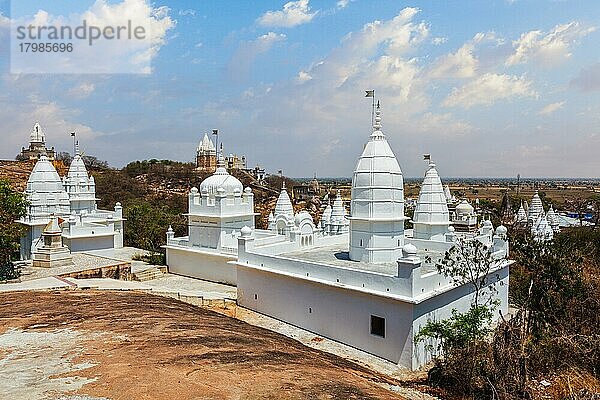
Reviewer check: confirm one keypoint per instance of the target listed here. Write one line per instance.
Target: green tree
(459, 341)
(469, 262)
(12, 207)
(147, 224)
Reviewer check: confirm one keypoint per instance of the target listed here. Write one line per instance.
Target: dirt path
(126, 345)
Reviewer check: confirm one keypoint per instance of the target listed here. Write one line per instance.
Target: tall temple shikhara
(37, 145)
(206, 155)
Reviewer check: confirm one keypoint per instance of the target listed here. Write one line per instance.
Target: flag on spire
(427, 157)
(370, 93)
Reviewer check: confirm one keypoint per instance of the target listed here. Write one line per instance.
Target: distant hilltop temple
(360, 278)
(206, 160)
(206, 157)
(37, 146)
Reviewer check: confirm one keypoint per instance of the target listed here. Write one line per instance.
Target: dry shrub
(572, 384)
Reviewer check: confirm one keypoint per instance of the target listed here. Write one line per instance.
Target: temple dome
(221, 180)
(464, 208)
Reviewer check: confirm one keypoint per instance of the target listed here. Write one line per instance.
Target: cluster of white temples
(65, 208)
(360, 278)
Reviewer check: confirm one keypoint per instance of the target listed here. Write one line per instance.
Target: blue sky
(489, 88)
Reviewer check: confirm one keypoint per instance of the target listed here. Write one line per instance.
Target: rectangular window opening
(377, 326)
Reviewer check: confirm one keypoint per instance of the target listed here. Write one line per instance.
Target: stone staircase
(148, 274)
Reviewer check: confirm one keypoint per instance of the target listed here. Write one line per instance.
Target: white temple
(72, 199)
(37, 145)
(372, 287)
(542, 224)
(334, 221)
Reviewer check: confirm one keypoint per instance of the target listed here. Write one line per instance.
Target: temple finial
(220, 158)
(377, 124)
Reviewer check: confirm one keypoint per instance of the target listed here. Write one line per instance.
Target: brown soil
(150, 347)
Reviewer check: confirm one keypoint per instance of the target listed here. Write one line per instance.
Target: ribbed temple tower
(431, 219)
(377, 206)
(80, 186)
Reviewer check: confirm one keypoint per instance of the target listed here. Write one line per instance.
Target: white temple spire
(377, 206)
(431, 218)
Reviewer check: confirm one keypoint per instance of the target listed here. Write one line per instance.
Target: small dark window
(255, 296)
(360, 242)
(309, 310)
(377, 326)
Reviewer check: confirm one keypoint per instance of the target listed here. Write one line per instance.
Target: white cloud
(4, 22)
(303, 76)
(245, 55)
(343, 3)
(489, 88)
(82, 91)
(199, 44)
(436, 41)
(293, 13)
(548, 48)
(461, 64)
(106, 56)
(445, 124)
(464, 63)
(551, 108)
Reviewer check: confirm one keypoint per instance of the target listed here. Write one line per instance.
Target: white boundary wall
(200, 264)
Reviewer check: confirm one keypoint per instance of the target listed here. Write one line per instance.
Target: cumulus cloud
(247, 52)
(82, 91)
(445, 124)
(548, 48)
(21, 110)
(588, 79)
(551, 108)
(464, 63)
(104, 56)
(293, 13)
(461, 64)
(489, 88)
(326, 100)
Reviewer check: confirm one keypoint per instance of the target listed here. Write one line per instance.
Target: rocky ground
(128, 345)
